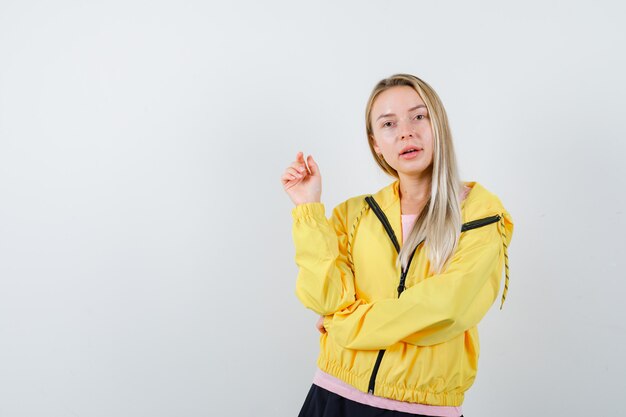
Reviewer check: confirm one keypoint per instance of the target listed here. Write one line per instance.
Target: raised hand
(303, 184)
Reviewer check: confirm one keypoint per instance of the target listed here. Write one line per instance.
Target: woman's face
(402, 131)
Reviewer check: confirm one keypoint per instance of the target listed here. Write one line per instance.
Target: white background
(146, 260)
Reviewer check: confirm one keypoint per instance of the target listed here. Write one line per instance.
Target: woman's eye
(420, 116)
(387, 124)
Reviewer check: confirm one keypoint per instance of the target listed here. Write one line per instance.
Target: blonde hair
(439, 223)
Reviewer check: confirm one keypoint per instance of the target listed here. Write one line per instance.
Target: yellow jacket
(423, 345)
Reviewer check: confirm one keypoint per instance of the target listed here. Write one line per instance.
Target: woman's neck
(414, 193)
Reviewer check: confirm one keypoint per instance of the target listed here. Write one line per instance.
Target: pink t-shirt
(337, 386)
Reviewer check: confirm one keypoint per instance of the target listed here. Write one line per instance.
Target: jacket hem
(394, 392)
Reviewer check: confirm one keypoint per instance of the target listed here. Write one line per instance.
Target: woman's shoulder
(480, 202)
(465, 191)
(351, 205)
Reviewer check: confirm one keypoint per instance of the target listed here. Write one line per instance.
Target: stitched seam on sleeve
(351, 236)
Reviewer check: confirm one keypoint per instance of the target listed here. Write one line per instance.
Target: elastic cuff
(308, 210)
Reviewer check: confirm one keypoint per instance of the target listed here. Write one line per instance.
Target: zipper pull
(402, 281)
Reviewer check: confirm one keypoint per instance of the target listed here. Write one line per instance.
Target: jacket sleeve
(438, 308)
(325, 282)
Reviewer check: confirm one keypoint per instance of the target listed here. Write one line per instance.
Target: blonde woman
(402, 277)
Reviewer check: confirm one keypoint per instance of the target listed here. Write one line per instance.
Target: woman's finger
(300, 158)
(312, 165)
(299, 166)
(289, 181)
(295, 172)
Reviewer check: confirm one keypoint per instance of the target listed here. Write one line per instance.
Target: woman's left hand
(320, 325)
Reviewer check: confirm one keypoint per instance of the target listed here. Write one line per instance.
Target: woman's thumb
(312, 165)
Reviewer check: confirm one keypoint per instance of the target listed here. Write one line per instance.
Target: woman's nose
(406, 131)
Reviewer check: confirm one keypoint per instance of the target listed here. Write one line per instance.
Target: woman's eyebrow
(410, 110)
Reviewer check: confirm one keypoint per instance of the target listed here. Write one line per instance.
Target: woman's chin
(413, 171)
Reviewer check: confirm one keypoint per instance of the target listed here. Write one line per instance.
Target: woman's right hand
(301, 184)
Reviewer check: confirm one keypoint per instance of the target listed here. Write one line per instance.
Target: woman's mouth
(410, 154)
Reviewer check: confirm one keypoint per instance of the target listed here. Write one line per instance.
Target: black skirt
(323, 403)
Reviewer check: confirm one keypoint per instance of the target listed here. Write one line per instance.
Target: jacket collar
(478, 204)
(388, 198)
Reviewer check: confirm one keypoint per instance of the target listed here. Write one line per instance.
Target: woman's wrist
(307, 202)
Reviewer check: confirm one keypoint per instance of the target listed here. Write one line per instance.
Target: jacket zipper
(379, 359)
(383, 219)
(480, 222)
(401, 286)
